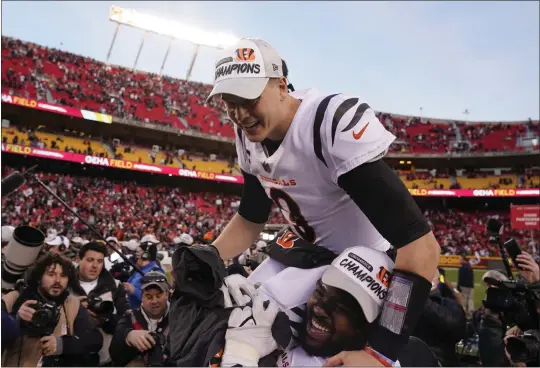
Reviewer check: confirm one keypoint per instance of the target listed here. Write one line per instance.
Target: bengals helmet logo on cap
(245, 54)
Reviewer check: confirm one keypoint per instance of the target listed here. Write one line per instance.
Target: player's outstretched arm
(237, 236)
(247, 224)
(420, 256)
(387, 203)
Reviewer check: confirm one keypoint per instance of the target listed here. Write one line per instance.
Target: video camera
(517, 301)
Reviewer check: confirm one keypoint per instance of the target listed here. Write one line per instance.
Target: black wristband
(402, 308)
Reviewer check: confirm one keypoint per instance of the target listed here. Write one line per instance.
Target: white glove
(226, 296)
(235, 285)
(249, 336)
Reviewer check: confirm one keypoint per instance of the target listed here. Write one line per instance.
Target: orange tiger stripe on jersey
(245, 54)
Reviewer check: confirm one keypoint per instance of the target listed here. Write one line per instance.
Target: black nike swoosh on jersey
(340, 111)
(357, 116)
(319, 117)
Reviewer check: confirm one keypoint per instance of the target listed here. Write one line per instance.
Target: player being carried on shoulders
(318, 157)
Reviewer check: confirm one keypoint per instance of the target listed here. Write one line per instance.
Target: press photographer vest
(26, 351)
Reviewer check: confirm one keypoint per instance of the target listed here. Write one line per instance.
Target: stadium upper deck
(55, 76)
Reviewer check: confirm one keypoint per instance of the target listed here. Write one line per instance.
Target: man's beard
(335, 344)
(58, 299)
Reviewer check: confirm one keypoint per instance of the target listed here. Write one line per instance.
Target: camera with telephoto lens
(155, 355)
(21, 252)
(45, 317)
(101, 307)
(525, 348)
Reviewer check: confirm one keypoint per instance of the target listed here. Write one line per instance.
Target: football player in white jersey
(318, 157)
(340, 310)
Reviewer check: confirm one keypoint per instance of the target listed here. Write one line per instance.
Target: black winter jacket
(105, 284)
(121, 353)
(441, 326)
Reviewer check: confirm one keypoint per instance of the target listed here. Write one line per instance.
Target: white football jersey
(329, 136)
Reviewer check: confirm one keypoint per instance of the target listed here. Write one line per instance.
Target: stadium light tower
(169, 28)
(466, 113)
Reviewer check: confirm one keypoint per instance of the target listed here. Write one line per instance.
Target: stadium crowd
(167, 298)
(81, 305)
(104, 147)
(123, 209)
(128, 210)
(33, 71)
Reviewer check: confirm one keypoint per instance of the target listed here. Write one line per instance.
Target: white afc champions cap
(365, 274)
(245, 69)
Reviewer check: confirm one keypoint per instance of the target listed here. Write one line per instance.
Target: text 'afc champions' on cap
(365, 274)
(245, 69)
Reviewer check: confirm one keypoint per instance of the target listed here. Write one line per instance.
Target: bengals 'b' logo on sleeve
(245, 54)
(286, 240)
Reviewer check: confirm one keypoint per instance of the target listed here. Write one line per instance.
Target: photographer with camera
(505, 313)
(146, 259)
(102, 295)
(141, 333)
(55, 329)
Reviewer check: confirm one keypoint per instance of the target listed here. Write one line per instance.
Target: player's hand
(238, 286)
(48, 345)
(26, 312)
(130, 289)
(249, 336)
(358, 358)
(141, 340)
(528, 268)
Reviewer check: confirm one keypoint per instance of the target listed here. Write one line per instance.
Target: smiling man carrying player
(311, 153)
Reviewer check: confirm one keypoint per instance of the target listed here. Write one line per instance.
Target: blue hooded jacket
(136, 280)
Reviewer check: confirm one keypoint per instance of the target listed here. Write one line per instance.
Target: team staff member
(311, 153)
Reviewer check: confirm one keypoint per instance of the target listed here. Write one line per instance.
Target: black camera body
(45, 318)
(102, 308)
(525, 348)
(121, 271)
(155, 355)
(516, 301)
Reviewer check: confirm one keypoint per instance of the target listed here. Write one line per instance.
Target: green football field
(479, 289)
